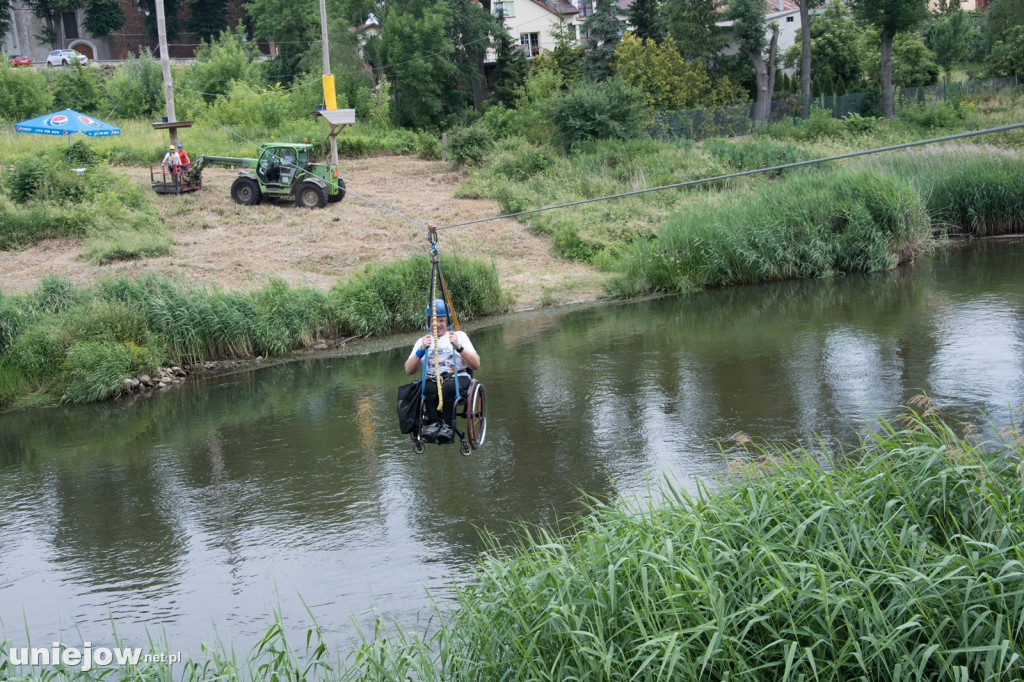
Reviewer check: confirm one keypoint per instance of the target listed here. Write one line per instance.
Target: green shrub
(861, 124)
(428, 146)
(931, 116)
(523, 162)
(809, 225)
(136, 87)
(606, 110)
(23, 93)
(80, 154)
(96, 370)
(469, 145)
(760, 152)
(391, 297)
(80, 88)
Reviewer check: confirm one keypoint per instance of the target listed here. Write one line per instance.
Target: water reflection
(231, 497)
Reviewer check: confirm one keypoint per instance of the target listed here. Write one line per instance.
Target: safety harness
(437, 277)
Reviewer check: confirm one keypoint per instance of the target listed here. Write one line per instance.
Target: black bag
(410, 402)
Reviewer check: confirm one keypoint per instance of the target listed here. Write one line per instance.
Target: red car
(19, 60)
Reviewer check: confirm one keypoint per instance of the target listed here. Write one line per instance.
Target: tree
(749, 28)
(510, 70)
(805, 46)
(604, 30)
(470, 34)
(208, 18)
(416, 52)
(693, 25)
(665, 79)
(219, 63)
(834, 46)
(565, 59)
(890, 17)
(643, 15)
(5, 18)
(293, 26)
(171, 23)
(913, 64)
(1007, 57)
(103, 17)
(950, 39)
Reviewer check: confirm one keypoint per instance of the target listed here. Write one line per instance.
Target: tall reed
(80, 343)
(813, 224)
(900, 559)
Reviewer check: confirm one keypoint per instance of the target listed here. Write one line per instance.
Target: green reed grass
(968, 192)
(811, 224)
(80, 343)
(900, 559)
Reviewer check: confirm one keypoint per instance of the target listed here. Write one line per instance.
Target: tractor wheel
(333, 198)
(245, 191)
(311, 195)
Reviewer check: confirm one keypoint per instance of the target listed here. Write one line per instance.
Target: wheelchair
(472, 408)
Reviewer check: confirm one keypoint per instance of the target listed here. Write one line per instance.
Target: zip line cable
(301, 170)
(755, 171)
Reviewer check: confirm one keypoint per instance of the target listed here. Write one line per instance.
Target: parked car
(65, 57)
(19, 60)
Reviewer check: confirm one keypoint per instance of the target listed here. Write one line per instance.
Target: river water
(198, 513)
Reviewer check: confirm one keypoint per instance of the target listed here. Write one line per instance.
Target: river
(196, 514)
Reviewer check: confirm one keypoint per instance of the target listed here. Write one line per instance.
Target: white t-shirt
(449, 358)
(171, 159)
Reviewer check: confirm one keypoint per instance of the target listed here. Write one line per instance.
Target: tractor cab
(279, 163)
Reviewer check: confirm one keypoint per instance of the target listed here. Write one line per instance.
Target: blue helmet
(440, 307)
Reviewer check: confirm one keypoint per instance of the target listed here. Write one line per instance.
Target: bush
(81, 88)
(606, 110)
(523, 162)
(860, 124)
(757, 153)
(96, 371)
(469, 145)
(23, 93)
(136, 87)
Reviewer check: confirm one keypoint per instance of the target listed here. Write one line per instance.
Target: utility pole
(330, 97)
(165, 67)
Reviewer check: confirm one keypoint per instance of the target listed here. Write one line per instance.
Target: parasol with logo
(66, 122)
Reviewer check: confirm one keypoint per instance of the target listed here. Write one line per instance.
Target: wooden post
(165, 67)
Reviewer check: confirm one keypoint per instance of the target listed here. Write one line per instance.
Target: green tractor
(282, 170)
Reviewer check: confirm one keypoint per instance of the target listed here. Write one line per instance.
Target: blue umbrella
(66, 122)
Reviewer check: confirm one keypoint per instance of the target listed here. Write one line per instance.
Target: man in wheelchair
(455, 357)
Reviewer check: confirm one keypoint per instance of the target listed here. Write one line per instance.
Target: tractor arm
(227, 161)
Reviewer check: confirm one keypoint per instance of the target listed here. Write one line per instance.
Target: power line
(784, 166)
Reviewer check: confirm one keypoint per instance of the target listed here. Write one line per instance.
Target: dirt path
(236, 247)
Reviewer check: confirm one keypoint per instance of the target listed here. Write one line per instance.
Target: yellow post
(330, 98)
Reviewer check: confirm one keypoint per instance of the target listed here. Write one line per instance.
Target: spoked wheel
(476, 415)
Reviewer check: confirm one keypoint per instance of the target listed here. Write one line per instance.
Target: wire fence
(738, 119)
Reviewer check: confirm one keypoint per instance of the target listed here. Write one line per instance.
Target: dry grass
(236, 247)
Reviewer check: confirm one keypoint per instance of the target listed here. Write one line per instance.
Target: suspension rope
(784, 166)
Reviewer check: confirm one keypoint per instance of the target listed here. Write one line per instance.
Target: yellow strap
(437, 359)
(448, 302)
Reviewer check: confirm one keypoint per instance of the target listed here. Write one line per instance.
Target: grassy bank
(79, 344)
(897, 559)
(44, 197)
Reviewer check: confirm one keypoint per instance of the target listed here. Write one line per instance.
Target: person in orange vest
(183, 158)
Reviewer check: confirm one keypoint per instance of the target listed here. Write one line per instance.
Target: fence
(737, 119)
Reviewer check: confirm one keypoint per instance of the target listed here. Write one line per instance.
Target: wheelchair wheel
(476, 415)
